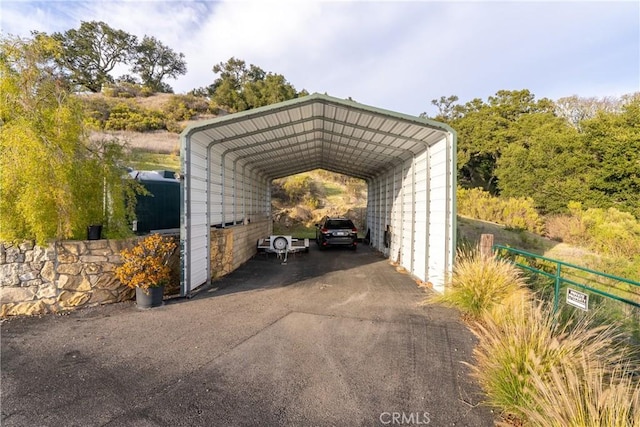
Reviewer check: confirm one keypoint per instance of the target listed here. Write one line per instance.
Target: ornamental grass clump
(146, 265)
(593, 395)
(480, 284)
(518, 352)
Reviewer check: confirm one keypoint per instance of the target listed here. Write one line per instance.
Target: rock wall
(221, 259)
(233, 246)
(62, 276)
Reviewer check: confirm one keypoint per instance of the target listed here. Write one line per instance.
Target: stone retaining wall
(233, 246)
(62, 276)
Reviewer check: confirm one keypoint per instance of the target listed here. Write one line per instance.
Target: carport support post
(222, 204)
(413, 213)
(235, 213)
(386, 215)
(402, 254)
(427, 255)
(244, 196)
(391, 239)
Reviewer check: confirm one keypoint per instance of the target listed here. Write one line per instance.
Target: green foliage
(104, 113)
(612, 141)
(581, 149)
(545, 163)
(125, 116)
(515, 213)
(155, 61)
(485, 129)
(240, 88)
(298, 187)
(185, 107)
(53, 182)
(92, 51)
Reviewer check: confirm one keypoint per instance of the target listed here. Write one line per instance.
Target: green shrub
(185, 107)
(296, 187)
(479, 284)
(174, 127)
(516, 213)
(607, 231)
(97, 110)
(125, 116)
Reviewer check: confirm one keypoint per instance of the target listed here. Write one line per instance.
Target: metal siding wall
(198, 246)
(396, 215)
(421, 220)
(215, 187)
(380, 214)
(407, 216)
(439, 198)
(371, 202)
(227, 204)
(388, 207)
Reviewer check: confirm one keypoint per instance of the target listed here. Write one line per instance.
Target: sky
(397, 55)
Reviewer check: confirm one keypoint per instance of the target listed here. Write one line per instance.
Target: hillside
(149, 126)
(301, 200)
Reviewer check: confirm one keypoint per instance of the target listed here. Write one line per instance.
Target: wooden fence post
(486, 245)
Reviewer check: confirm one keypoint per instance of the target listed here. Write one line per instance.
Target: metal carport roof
(319, 132)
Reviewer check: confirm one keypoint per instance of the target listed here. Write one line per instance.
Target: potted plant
(145, 267)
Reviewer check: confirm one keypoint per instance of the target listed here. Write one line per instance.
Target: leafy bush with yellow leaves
(146, 265)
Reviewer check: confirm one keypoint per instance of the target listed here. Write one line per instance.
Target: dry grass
(471, 229)
(157, 101)
(153, 142)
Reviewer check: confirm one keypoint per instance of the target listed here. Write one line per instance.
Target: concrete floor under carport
(331, 338)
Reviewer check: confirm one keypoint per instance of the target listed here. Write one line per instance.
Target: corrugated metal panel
(195, 245)
(396, 215)
(439, 195)
(421, 218)
(229, 162)
(407, 216)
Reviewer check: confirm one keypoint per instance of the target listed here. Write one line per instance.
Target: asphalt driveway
(330, 338)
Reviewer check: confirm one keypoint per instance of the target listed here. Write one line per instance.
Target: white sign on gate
(578, 299)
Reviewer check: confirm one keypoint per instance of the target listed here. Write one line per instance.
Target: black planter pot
(150, 300)
(94, 232)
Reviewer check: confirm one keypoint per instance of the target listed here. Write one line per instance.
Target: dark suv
(336, 231)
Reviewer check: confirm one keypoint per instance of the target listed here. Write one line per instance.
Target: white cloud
(396, 55)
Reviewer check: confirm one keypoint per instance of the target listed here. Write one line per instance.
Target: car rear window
(339, 223)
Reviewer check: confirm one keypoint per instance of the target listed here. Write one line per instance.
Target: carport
(228, 164)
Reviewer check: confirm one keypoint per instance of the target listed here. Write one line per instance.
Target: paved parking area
(331, 338)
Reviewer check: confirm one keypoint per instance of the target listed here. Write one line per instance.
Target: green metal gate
(571, 287)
